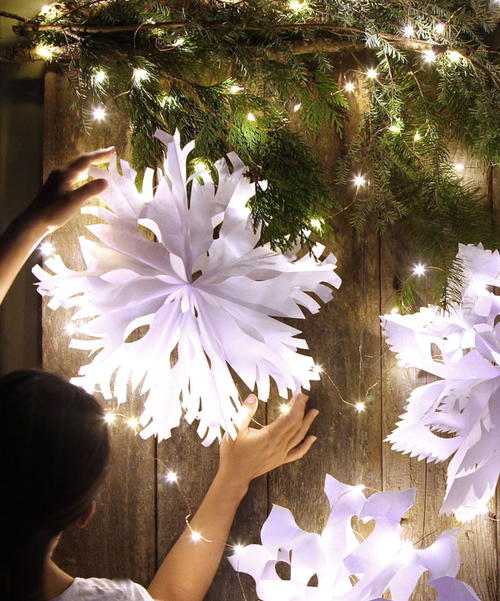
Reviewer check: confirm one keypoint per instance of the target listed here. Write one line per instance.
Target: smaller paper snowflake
(345, 567)
(458, 415)
(210, 295)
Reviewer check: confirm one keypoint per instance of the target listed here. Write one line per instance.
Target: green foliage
(232, 74)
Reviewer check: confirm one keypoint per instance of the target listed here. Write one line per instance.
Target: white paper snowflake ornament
(346, 567)
(209, 295)
(458, 415)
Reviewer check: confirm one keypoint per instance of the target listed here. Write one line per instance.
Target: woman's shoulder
(104, 589)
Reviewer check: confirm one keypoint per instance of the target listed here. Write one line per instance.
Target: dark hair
(54, 449)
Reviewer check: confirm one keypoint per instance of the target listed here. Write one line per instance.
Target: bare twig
(7, 15)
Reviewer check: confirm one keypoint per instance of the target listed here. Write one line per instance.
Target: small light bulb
(109, 417)
(349, 86)
(100, 76)
(45, 9)
(360, 406)
(360, 487)
(250, 116)
(45, 52)
(238, 549)
(409, 30)
(179, 42)
(297, 107)
(429, 56)
(395, 129)
(372, 73)
(394, 310)
(200, 167)
(419, 269)
(453, 56)
(235, 89)
(70, 328)
(316, 223)
(459, 167)
(99, 113)
(195, 536)
(133, 423)
(47, 248)
(171, 477)
(359, 180)
(297, 5)
(439, 28)
(284, 408)
(417, 137)
(139, 75)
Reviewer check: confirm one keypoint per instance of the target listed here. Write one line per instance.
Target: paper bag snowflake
(338, 565)
(208, 293)
(458, 414)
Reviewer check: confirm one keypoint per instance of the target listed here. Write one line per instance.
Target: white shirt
(103, 589)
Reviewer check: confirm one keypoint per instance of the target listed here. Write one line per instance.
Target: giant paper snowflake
(208, 293)
(457, 415)
(338, 565)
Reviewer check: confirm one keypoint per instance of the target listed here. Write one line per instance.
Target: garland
(267, 79)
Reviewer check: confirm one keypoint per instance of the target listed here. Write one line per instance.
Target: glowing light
(284, 408)
(109, 417)
(429, 56)
(171, 477)
(360, 406)
(49, 10)
(395, 128)
(297, 107)
(200, 167)
(409, 31)
(360, 487)
(349, 86)
(316, 223)
(47, 248)
(99, 113)
(195, 536)
(139, 75)
(372, 73)
(419, 269)
(45, 52)
(297, 5)
(417, 137)
(70, 328)
(133, 423)
(235, 89)
(250, 116)
(238, 549)
(317, 369)
(359, 180)
(439, 28)
(459, 167)
(179, 42)
(394, 310)
(100, 76)
(453, 56)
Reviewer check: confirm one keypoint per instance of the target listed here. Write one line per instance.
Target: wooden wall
(139, 516)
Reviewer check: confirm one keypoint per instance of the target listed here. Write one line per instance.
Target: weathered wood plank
(120, 541)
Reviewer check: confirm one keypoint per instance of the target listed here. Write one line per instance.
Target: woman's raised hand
(58, 200)
(257, 451)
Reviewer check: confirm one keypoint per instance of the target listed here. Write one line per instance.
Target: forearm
(189, 568)
(16, 245)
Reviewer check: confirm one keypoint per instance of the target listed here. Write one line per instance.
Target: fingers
(299, 451)
(85, 160)
(291, 421)
(248, 410)
(306, 424)
(87, 191)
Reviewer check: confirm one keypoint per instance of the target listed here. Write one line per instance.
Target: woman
(55, 449)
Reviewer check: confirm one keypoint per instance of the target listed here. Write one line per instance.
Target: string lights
(139, 75)
(251, 117)
(47, 249)
(100, 76)
(359, 181)
(419, 269)
(372, 73)
(99, 113)
(408, 30)
(45, 51)
(349, 86)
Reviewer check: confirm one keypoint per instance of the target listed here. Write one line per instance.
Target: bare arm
(55, 204)
(189, 568)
